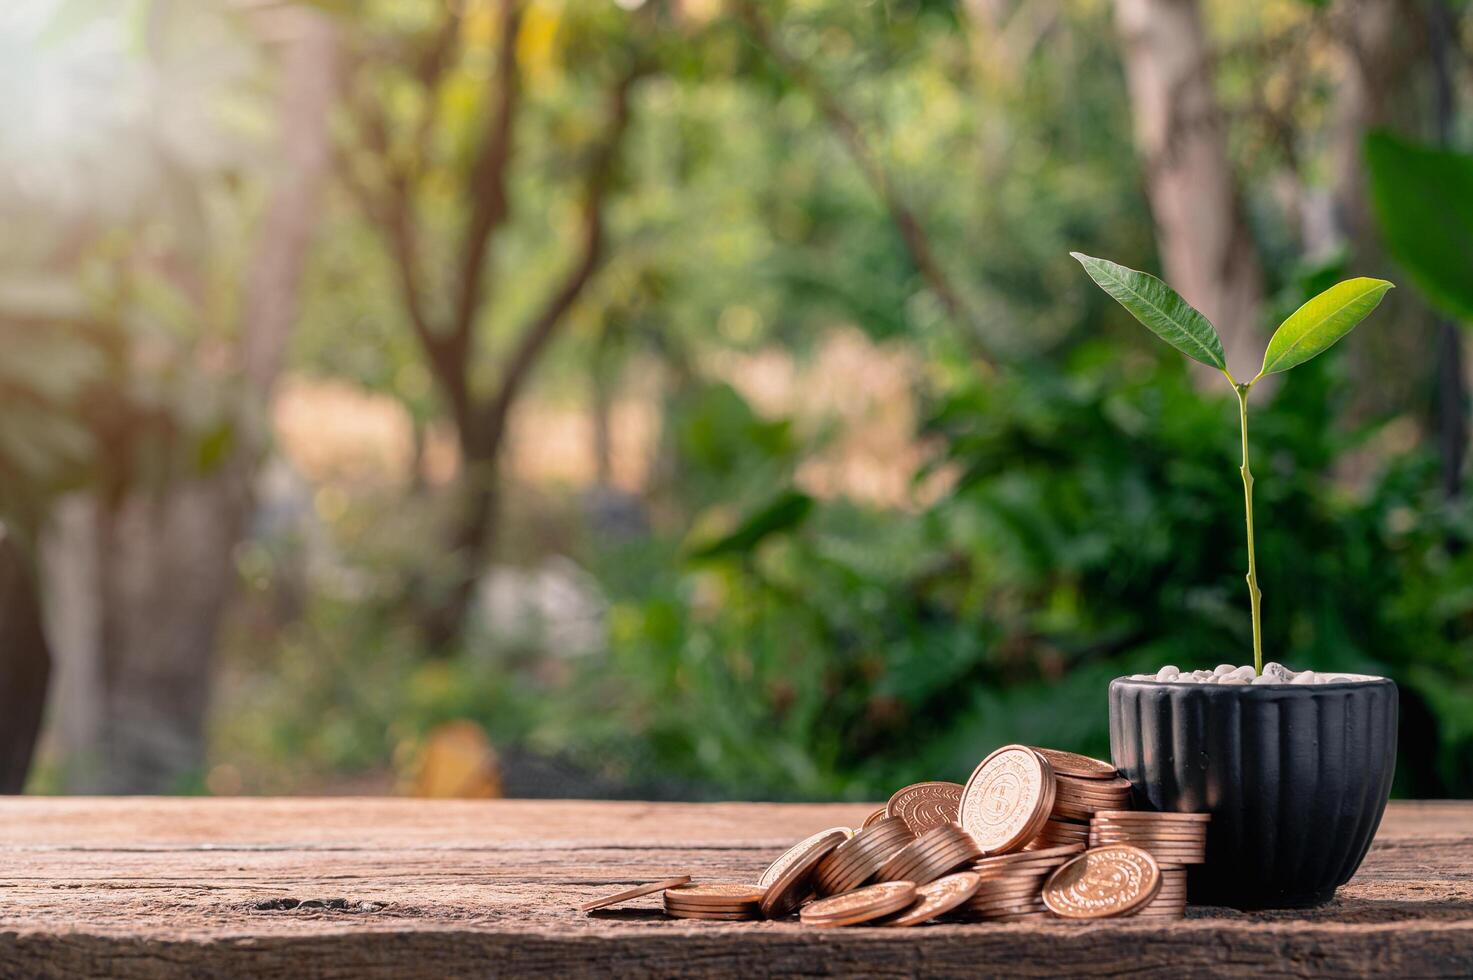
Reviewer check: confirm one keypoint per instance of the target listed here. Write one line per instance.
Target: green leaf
(1423, 200)
(1316, 325)
(788, 510)
(1160, 308)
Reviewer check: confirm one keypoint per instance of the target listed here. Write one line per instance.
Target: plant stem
(1254, 595)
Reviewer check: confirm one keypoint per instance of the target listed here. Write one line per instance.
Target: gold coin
(1007, 799)
(635, 892)
(1076, 765)
(925, 805)
(1113, 880)
(936, 898)
(874, 818)
(794, 878)
(863, 905)
(801, 850)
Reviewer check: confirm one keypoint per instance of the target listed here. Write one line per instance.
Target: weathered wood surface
(410, 888)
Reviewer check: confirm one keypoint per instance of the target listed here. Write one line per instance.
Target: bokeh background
(695, 398)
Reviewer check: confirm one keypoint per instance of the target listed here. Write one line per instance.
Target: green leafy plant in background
(1423, 199)
(1309, 331)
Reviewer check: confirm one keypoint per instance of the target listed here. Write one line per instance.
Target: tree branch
(488, 180)
(912, 231)
(541, 329)
(391, 210)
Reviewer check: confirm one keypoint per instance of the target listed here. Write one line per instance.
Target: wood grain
(413, 888)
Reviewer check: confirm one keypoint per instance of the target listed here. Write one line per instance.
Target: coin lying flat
(855, 907)
(937, 898)
(1079, 766)
(925, 805)
(637, 891)
(799, 850)
(722, 896)
(1008, 799)
(1113, 880)
(794, 879)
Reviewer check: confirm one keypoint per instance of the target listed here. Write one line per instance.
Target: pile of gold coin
(1034, 834)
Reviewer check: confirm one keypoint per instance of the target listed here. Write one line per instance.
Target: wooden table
(412, 888)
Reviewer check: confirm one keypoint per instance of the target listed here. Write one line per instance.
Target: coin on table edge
(925, 805)
(637, 891)
(874, 818)
(1154, 815)
(1102, 883)
(1008, 796)
(722, 893)
(801, 849)
(854, 907)
(783, 892)
(936, 898)
(1076, 765)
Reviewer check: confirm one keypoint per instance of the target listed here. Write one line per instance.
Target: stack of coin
(856, 860)
(852, 908)
(1011, 883)
(789, 879)
(925, 805)
(1008, 799)
(1104, 882)
(1060, 833)
(1082, 785)
(714, 900)
(1175, 840)
(945, 847)
(1171, 901)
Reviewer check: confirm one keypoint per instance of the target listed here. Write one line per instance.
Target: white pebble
(1266, 678)
(1245, 673)
(1305, 677)
(1168, 673)
(1224, 669)
(1275, 669)
(1232, 679)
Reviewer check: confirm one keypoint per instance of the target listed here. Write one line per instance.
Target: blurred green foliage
(763, 639)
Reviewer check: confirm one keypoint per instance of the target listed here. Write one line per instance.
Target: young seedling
(1313, 328)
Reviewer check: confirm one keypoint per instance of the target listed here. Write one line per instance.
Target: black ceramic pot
(1295, 776)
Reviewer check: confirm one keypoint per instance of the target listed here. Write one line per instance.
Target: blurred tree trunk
(1207, 251)
(25, 664)
(165, 556)
(447, 331)
(1452, 378)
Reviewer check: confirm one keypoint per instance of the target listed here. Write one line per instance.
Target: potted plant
(1294, 768)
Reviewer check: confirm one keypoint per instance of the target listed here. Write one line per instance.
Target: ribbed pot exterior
(1296, 778)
